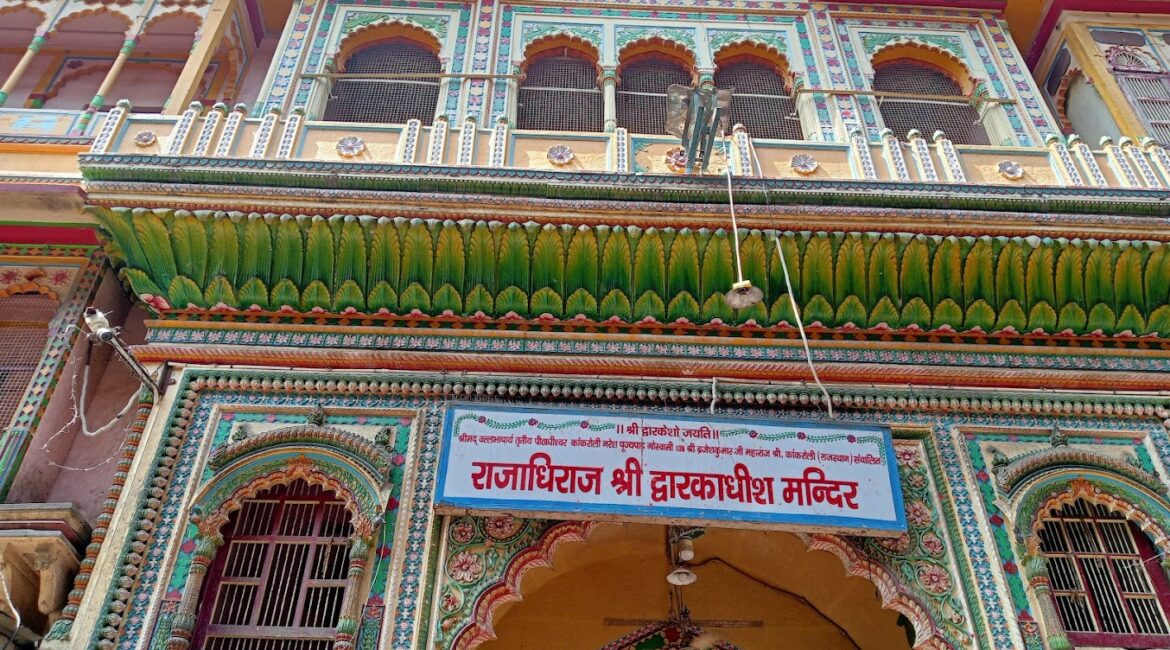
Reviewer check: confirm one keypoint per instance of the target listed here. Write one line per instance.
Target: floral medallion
(145, 138)
(350, 146)
(560, 155)
(1010, 170)
(804, 164)
(676, 159)
(462, 531)
(465, 567)
(502, 528)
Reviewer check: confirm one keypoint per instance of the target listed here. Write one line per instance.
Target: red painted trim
(67, 235)
(1059, 6)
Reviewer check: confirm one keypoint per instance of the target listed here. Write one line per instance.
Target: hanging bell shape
(681, 577)
(743, 295)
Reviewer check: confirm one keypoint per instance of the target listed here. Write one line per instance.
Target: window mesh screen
(760, 101)
(1150, 95)
(960, 121)
(1098, 566)
(24, 324)
(560, 93)
(387, 101)
(279, 580)
(641, 97)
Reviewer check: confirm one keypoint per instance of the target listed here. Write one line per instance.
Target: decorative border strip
(619, 187)
(486, 342)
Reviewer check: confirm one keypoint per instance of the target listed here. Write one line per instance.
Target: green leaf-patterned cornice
(345, 264)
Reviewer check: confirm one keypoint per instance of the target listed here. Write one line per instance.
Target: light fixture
(681, 577)
(686, 550)
(100, 328)
(743, 295)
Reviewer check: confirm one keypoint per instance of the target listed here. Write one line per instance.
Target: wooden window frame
(1145, 553)
(205, 630)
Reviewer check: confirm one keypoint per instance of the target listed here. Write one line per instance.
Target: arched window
(959, 120)
(1108, 586)
(278, 582)
(560, 93)
(408, 88)
(641, 97)
(761, 102)
(25, 321)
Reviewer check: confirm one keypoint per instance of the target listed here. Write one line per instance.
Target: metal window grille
(641, 97)
(1150, 96)
(1098, 567)
(761, 103)
(24, 322)
(387, 101)
(560, 93)
(279, 581)
(960, 121)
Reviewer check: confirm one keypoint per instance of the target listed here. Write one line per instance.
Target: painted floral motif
(145, 138)
(918, 514)
(804, 164)
(502, 527)
(465, 567)
(676, 159)
(350, 146)
(934, 578)
(932, 544)
(1010, 170)
(462, 531)
(449, 602)
(560, 155)
(899, 544)
(921, 556)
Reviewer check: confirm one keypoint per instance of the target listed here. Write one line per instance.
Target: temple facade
(416, 324)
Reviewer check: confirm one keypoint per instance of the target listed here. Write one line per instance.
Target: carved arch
(172, 15)
(754, 50)
(70, 18)
(1060, 99)
(255, 472)
(478, 627)
(572, 43)
(100, 67)
(390, 29)
(933, 56)
(1120, 495)
(657, 46)
(19, 8)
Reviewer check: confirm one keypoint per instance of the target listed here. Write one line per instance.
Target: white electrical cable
(11, 606)
(714, 394)
(787, 282)
(731, 204)
(800, 326)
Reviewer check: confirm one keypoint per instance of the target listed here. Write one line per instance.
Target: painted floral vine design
(920, 557)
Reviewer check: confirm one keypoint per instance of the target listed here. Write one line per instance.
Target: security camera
(97, 323)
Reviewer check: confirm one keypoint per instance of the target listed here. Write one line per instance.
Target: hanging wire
(787, 281)
(79, 416)
(731, 204)
(800, 326)
(15, 612)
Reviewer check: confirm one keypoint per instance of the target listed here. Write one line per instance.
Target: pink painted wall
(110, 386)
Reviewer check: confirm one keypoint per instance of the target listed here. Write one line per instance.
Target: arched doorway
(754, 590)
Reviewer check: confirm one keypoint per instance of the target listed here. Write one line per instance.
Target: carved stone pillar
(1036, 573)
(183, 624)
(351, 609)
(609, 81)
(707, 78)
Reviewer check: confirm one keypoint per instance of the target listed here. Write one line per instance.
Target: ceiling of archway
(608, 587)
